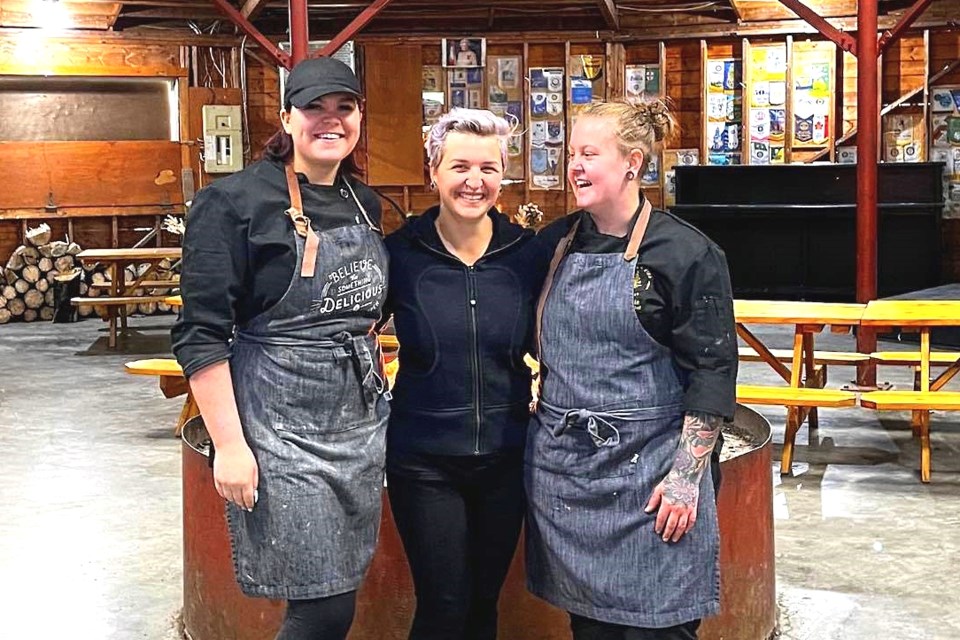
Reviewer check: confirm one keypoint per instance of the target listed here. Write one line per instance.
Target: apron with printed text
(309, 387)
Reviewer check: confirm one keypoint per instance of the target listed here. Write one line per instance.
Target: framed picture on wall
(463, 52)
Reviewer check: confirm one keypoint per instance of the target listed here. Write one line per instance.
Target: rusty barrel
(215, 609)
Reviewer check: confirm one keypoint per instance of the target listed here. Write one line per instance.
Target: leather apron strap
(633, 247)
(302, 224)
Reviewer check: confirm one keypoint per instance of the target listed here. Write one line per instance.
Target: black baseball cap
(316, 77)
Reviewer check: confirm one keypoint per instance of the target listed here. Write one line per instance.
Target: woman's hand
(678, 497)
(235, 472)
(236, 475)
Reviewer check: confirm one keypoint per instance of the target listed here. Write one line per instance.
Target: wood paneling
(32, 53)
(903, 67)
(849, 79)
(90, 174)
(944, 49)
(263, 103)
(765, 10)
(684, 90)
(392, 79)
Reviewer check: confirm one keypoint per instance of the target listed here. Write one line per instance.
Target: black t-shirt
(684, 301)
(239, 253)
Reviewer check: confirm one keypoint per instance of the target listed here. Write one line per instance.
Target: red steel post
(868, 114)
(299, 30)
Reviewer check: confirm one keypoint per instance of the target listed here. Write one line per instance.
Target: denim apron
(604, 435)
(309, 388)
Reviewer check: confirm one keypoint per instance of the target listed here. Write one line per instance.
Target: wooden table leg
(189, 410)
(810, 377)
(925, 446)
(789, 438)
(112, 323)
(925, 415)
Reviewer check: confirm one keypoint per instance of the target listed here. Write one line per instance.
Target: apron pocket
(326, 396)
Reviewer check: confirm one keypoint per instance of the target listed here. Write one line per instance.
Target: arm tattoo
(700, 432)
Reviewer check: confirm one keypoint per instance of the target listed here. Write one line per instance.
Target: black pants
(587, 629)
(319, 619)
(459, 518)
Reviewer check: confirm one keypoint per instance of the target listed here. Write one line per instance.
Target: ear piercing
(631, 175)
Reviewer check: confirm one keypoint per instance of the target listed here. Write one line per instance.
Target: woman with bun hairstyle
(638, 361)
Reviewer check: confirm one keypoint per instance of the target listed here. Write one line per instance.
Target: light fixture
(51, 15)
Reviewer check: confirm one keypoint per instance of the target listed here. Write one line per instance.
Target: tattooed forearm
(700, 432)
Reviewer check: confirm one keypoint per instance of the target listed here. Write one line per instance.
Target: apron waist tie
(597, 423)
(344, 345)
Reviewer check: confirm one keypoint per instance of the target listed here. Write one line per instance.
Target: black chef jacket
(239, 253)
(688, 306)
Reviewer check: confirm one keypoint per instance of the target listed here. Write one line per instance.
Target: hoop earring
(631, 175)
(433, 185)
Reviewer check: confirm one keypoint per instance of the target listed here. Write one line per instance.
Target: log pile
(36, 269)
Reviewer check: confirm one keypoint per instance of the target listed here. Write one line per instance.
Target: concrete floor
(90, 501)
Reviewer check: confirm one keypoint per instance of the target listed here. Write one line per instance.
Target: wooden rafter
(843, 40)
(610, 14)
(252, 8)
(735, 5)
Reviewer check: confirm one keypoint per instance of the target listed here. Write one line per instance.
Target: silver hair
(479, 122)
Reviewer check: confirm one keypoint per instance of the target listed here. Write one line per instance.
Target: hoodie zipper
(475, 364)
(475, 356)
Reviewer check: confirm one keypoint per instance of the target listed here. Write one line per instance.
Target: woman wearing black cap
(284, 275)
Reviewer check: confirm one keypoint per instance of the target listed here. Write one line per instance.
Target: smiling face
(468, 175)
(325, 131)
(597, 167)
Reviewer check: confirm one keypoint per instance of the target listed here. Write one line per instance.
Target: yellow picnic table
(921, 316)
(805, 381)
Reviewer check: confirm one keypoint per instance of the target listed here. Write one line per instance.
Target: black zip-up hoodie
(462, 388)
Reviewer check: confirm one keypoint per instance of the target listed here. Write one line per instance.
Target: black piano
(789, 231)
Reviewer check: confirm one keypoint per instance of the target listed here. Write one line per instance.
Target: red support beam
(892, 35)
(843, 40)
(299, 31)
(351, 29)
(868, 116)
(282, 59)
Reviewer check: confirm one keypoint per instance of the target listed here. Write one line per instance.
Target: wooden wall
(902, 69)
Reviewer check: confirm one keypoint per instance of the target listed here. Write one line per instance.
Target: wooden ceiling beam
(610, 14)
(252, 8)
(843, 40)
(735, 5)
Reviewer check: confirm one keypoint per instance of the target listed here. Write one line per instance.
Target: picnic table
(920, 316)
(802, 368)
(122, 292)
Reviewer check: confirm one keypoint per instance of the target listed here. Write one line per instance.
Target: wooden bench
(747, 354)
(145, 284)
(912, 358)
(115, 304)
(820, 358)
(799, 402)
(918, 401)
(172, 384)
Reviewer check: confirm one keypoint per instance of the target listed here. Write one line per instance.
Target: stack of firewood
(34, 269)
(96, 282)
(28, 279)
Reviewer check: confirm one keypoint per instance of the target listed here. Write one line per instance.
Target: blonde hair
(479, 122)
(638, 125)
